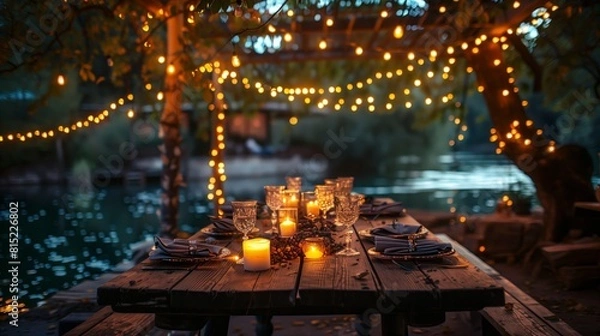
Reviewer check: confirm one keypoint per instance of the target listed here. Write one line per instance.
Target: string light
(76, 125)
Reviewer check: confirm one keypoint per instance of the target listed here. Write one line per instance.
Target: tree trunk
(170, 131)
(561, 175)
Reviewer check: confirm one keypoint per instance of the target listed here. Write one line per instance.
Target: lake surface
(66, 237)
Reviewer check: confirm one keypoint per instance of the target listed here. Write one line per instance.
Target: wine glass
(344, 185)
(244, 218)
(347, 210)
(294, 182)
(274, 201)
(324, 198)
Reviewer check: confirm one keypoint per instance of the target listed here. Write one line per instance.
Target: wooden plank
(338, 282)
(97, 318)
(123, 324)
(226, 288)
(516, 319)
(144, 290)
(572, 254)
(472, 258)
(400, 290)
(535, 308)
(137, 287)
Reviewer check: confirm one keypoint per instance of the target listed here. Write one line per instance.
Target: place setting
(179, 254)
(400, 241)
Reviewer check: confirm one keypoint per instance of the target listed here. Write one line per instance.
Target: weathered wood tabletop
(413, 292)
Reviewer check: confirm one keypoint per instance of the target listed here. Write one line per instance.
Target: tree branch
(529, 60)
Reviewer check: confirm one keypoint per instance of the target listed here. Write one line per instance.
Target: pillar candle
(257, 254)
(312, 209)
(287, 228)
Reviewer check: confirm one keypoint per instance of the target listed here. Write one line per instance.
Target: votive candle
(287, 228)
(312, 208)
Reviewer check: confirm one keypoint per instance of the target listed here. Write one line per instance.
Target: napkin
(396, 229)
(223, 224)
(183, 248)
(387, 209)
(393, 246)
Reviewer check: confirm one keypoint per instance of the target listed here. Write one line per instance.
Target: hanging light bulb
(359, 50)
(171, 69)
(323, 44)
(235, 60)
(60, 80)
(398, 32)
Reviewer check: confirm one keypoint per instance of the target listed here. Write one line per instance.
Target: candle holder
(313, 247)
(288, 221)
(290, 198)
(309, 206)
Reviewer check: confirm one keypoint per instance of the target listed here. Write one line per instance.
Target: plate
(379, 255)
(209, 230)
(422, 233)
(225, 252)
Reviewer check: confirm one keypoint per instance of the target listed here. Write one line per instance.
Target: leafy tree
(143, 47)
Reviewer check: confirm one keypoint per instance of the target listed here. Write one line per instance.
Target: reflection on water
(66, 238)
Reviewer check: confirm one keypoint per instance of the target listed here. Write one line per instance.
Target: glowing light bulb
(171, 69)
(323, 45)
(235, 60)
(398, 32)
(359, 50)
(60, 80)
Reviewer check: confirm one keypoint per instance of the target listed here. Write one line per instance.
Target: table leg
(217, 326)
(264, 326)
(394, 324)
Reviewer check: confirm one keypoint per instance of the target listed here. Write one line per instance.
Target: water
(66, 238)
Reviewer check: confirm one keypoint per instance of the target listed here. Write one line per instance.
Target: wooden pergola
(433, 26)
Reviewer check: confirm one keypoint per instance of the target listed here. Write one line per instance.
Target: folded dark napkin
(387, 209)
(222, 224)
(183, 248)
(396, 229)
(394, 246)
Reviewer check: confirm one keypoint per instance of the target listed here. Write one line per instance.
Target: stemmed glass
(325, 198)
(344, 185)
(347, 210)
(274, 201)
(244, 218)
(294, 182)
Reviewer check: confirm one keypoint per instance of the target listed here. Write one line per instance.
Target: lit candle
(312, 252)
(312, 209)
(257, 254)
(291, 201)
(313, 247)
(287, 228)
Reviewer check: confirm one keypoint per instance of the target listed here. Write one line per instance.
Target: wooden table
(418, 295)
